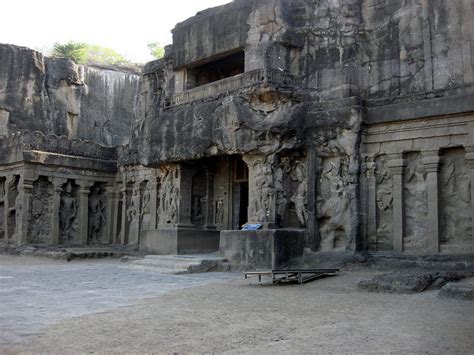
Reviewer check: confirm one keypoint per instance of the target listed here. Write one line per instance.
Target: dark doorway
(244, 203)
(240, 193)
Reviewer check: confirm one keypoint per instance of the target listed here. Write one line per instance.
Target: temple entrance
(240, 193)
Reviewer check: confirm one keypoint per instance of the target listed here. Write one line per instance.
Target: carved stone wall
(167, 213)
(40, 212)
(416, 204)
(383, 238)
(455, 202)
(68, 214)
(97, 214)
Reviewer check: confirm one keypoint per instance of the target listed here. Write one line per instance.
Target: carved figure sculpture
(298, 174)
(68, 214)
(145, 210)
(96, 215)
(168, 211)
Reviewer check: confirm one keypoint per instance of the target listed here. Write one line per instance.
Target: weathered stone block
(262, 249)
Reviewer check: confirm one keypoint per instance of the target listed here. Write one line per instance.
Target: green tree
(73, 50)
(83, 53)
(156, 50)
(103, 55)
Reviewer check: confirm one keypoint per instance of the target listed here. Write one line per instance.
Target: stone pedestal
(179, 240)
(261, 249)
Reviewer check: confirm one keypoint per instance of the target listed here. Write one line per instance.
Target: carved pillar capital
(397, 166)
(85, 186)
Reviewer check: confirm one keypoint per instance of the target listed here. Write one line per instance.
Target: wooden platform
(300, 276)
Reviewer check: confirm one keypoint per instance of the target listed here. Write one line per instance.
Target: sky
(124, 25)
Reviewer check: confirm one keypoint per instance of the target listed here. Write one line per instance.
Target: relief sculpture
(96, 214)
(416, 206)
(40, 213)
(169, 194)
(383, 178)
(68, 223)
(333, 203)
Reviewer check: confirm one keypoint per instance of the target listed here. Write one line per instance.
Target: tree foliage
(84, 53)
(156, 50)
(72, 50)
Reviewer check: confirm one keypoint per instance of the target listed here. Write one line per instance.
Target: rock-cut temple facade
(333, 124)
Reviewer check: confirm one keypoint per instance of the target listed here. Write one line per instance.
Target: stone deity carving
(96, 215)
(168, 211)
(68, 214)
(298, 174)
(145, 210)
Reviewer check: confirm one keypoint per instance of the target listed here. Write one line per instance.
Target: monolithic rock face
(55, 96)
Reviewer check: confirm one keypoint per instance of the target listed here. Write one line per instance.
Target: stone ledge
(442, 106)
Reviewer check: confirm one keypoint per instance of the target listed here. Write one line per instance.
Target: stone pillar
(262, 199)
(22, 206)
(371, 211)
(7, 206)
(397, 168)
(470, 162)
(431, 162)
(115, 215)
(185, 183)
(153, 185)
(313, 238)
(56, 204)
(110, 213)
(209, 212)
(84, 191)
(126, 191)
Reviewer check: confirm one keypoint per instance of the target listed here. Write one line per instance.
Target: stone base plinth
(261, 249)
(166, 241)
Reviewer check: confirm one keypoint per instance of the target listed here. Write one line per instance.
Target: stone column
(56, 203)
(262, 199)
(22, 206)
(84, 191)
(209, 212)
(397, 167)
(110, 213)
(371, 217)
(115, 215)
(126, 191)
(185, 182)
(431, 162)
(153, 186)
(313, 237)
(470, 162)
(7, 206)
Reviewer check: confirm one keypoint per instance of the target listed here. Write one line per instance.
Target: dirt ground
(324, 316)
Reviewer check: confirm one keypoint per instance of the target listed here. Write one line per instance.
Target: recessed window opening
(219, 69)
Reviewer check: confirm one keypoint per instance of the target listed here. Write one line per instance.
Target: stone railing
(234, 83)
(28, 140)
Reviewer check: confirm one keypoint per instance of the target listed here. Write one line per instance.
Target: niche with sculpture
(416, 204)
(40, 212)
(97, 216)
(455, 202)
(383, 239)
(291, 185)
(68, 214)
(167, 212)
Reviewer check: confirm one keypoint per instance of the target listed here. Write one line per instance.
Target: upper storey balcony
(227, 86)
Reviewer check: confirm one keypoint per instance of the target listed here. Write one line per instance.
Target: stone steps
(176, 264)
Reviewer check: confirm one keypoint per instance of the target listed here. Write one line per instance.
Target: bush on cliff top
(84, 53)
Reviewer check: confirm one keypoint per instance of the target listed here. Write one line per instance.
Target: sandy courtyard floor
(242, 316)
